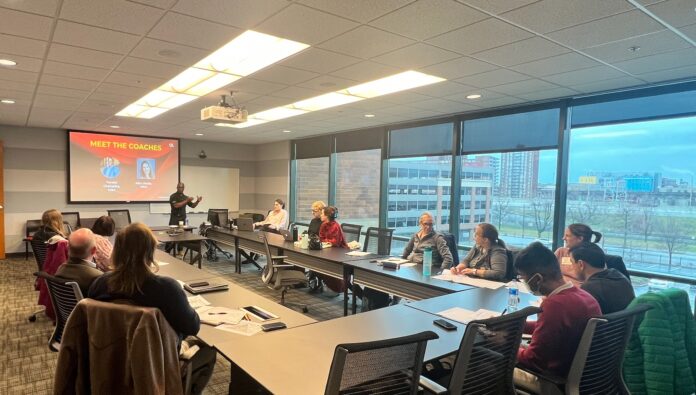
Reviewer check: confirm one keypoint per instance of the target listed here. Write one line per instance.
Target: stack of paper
(246, 328)
(219, 315)
(462, 279)
(465, 316)
(197, 301)
(394, 260)
(358, 253)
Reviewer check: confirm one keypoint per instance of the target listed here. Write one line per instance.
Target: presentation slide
(113, 168)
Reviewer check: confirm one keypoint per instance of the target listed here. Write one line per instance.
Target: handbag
(314, 243)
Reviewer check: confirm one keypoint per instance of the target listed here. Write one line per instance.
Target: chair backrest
(351, 232)
(597, 365)
(378, 240)
(121, 218)
(452, 245)
(616, 262)
(64, 295)
(384, 366)
(218, 216)
(510, 272)
(254, 216)
(32, 226)
(39, 248)
(88, 222)
(488, 353)
(72, 219)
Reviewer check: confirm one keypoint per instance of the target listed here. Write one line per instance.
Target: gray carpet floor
(27, 365)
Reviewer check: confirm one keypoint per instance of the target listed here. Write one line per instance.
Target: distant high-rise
(519, 172)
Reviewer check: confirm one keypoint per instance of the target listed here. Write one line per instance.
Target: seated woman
(103, 228)
(488, 258)
(51, 225)
(277, 218)
(574, 235)
(133, 279)
(427, 237)
(330, 230)
(315, 223)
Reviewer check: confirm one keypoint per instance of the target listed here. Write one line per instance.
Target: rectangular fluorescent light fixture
(249, 52)
(384, 86)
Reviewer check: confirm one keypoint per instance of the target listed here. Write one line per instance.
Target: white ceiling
(81, 61)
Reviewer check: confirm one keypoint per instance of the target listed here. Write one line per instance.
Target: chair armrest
(279, 257)
(432, 387)
(283, 265)
(560, 381)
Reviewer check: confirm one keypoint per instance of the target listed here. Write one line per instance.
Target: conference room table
(176, 268)
(183, 237)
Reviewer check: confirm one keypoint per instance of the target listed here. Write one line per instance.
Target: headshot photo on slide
(109, 167)
(146, 169)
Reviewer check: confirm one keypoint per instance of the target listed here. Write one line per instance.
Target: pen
(503, 313)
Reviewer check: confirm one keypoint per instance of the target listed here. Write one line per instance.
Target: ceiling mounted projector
(224, 112)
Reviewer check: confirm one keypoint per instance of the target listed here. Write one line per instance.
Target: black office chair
(510, 272)
(280, 276)
(32, 226)
(251, 257)
(88, 222)
(121, 218)
(486, 358)
(378, 240)
(616, 262)
(351, 232)
(452, 245)
(598, 361)
(72, 219)
(391, 366)
(39, 248)
(65, 294)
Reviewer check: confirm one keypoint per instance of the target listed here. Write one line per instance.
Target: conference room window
(634, 183)
(311, 184)
(357, 186)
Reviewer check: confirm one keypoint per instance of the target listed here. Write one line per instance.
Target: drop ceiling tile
(44, 7)
(296, 93)
(442, 106)
(7, 73)
(23, 24)
(24, 63)
(614, 83)
(156, 3)
(252, 85)
(328, 83)
(82, 56)
(112, 97)
(93, 37)
(366, 42)
(416, 56)
(441, 89)
(480, 36)
(521, 52)
(500, 102)
(442, 16)
(649, 44)
(149, 68)
(284, 75)
(18, 86)
(187, 30)
(369, 105)
(357, 10)
(58, 91)
(244, 14)
(497, 6)
(677, 13)
(486, 95)
(134, 80)
(161, 51)
(664, 61)
(554, 93)
(516, 88)
(670, 74)
(551, 15)
(305, 25)
(14, 118)
(121, 15)
(457, 68)
(47, 117)
(492, 78)
(689, 31)
(613, 28)
(566, 62)
(122, 90)
(56, 102)
(366, 71)
(319, 60)
(584, 76)
(22, 46)
(15, 95)
(75, 71)
(405, 97)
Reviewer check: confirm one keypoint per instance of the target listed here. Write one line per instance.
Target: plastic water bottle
(513, 297)
(427, 261)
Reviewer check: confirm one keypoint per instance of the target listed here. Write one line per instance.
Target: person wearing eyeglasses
(557, 332)
(488, 258)
(315, 223)
(428, 237)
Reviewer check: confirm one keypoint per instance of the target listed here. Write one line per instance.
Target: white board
(219, 187)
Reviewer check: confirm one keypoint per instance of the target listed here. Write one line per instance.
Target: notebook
(200, 287)
(245, 224)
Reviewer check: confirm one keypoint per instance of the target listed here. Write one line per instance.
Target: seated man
(557, 333)
(612, 289)
(79, 266)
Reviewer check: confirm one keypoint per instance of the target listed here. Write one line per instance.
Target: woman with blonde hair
(51, 225)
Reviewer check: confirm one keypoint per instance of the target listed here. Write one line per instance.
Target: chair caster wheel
(305, 310)
(32, 318)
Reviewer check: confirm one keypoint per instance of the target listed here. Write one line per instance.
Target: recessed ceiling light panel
(7, 62)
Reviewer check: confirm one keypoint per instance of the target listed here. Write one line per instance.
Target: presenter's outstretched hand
(198, 198)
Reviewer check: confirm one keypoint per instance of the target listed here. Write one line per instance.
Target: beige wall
(36, 179)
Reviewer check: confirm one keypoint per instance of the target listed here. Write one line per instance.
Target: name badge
(565, 260)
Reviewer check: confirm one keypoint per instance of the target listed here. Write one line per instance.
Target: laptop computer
(245, 224)
(287, 234)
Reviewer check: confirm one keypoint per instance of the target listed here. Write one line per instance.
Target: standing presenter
(179, 201)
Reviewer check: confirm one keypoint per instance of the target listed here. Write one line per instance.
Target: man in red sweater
(557, 333)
